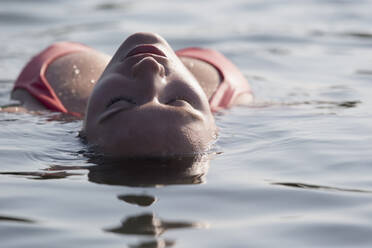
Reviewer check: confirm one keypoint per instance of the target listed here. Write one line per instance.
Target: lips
(149, 49)
(179, 110)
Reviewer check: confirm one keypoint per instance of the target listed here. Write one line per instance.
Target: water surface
(293, 170)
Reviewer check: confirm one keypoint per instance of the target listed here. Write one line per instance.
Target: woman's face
(147, 103)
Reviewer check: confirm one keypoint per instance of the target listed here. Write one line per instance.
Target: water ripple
(320, 187)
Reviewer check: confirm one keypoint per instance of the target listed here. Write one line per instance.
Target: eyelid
(177, 98)
(119, 98)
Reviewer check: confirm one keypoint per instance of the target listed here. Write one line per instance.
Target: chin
(184, 141)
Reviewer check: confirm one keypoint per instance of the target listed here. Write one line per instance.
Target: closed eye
(173, 100)
(118, 99)
(179, 91)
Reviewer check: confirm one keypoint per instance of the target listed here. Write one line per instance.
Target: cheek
(106, 88)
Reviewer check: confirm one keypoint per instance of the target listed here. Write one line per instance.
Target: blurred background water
(293, 170)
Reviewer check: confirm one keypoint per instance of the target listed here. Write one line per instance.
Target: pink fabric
(33, 80)
(233, 82)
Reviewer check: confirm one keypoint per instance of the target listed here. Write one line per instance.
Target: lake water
(292, 170)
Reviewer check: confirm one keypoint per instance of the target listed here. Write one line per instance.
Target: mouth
(180, 111)
(146, 49)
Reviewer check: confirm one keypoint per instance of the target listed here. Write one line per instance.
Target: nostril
(147, 66)
(162, 71)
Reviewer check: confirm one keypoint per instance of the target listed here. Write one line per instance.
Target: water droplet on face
(76, 70)
(92, 81)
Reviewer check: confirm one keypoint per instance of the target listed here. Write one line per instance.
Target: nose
(146, 67)
(150, 77)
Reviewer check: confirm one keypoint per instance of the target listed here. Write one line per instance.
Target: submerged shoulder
(74, 75)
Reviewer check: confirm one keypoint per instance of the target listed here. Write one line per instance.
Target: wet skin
(147, 103)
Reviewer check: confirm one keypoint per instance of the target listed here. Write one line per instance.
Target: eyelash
(119, 98)
(175, 99)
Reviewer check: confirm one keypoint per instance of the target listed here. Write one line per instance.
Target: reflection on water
(352, 34)
(15, 219)
(139, 200)
(364, 72)
(320, 187)
(150, 172)
(157, 243)
(40, 175)
(360, 35)
(113, 6)
(149, 224)
(318, 104)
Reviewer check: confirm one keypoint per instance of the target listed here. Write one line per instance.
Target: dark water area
(294, 169)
